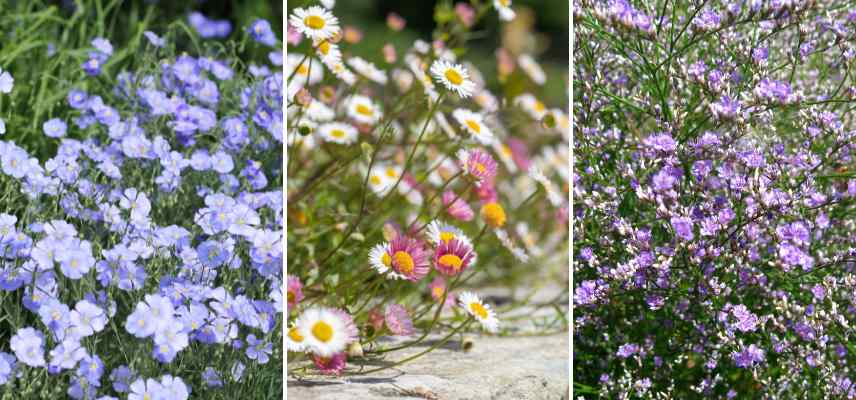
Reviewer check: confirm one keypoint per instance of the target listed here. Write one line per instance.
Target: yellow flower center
(375, 180)
(337, 133)
(302, 70)
(479, 310)
(474, 126)
(291, 297)
(324, 47)
(454, 77)
(147, 396)
(445, 237)
(506, 150)
(387, 260)
(504, 3)
(74, 264)
(451, 260)
(480, 167)
(438, 291)
(322, 331)
(314, 22)
(295, 335)
(390, 172)
(493, 214)
(404, 262)
(539, 106)
(364, 110)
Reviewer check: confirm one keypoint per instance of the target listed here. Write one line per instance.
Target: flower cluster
(151, 242)
(713, 189)
(408, 177)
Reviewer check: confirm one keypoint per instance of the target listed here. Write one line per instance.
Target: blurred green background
(548, 20)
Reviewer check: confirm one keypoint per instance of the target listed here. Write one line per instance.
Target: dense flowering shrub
(714, 196)
(143, 258)
(409, 180)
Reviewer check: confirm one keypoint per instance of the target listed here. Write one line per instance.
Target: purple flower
(87, 318)
(261, 32)
(627, 350)
(748, 357)
(27, 344)
(258, 349)
(683, 227)
(54, 128)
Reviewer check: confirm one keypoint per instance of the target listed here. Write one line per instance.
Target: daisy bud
(389, 53)
(465, 14)
(395, 22)
(304, 98)
(355, 349)
(353, 35)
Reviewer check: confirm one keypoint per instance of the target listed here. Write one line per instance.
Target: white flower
(324, 332)
(528, 64)
(329, 52)
(480, 311)
(318, 111)
(304, 69)
(315, 22)
(474, 124)
(454, 77)
(534, 107)
(368, 70)
(338, 132)
(362, 109)
(504, 9)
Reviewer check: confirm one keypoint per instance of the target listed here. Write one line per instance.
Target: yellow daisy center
(480, 167)
(438, 291)
(454, 77)
(493, 214)
(291, 297)
(322, 331)
(295, 335)
(147, 397)
(478, 310)
(539, 106)
(337, 133)
(404, 262)
(445, 237)
(506, 150)
(314, 22)
(302, 70)
(390, 172)
(504, 3)
(324, 47)
(474, 126)
(451, 260)
(387, 260)
(364, 110)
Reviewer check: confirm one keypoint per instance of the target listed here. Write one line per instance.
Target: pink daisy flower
(457, 207)
(477, 163)
(407, 258)
(519, 153)
(398, 321)
(350, 327)
(333, 365)
(487, 192)
(437, 288)
(376, 318)
(294, 291)
(453, 257)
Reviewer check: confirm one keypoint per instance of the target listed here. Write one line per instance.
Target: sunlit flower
(305, 69)
(338, 132)
(332, 365)
(529, 103)
(362, 109)
(294, 291)
(493, 214)
(402, 258)
(457, 207)
(439, 233)
(398, 321)
(480, 311)
(453, 257)
(474, 124)
(325, 331)
(504, 9)
(328, 52)
(454, 77)
(532, 69)
(479, 164)
(315, 22)
(379, 182)
(294, 340)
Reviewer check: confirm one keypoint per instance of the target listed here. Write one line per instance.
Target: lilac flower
(6, 81)
(748, 357)
(627, 350)
(258, 349)
(27, 344)
(87, 318)
(261, 32)
(683, 227)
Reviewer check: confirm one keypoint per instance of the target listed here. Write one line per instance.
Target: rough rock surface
(496, 368)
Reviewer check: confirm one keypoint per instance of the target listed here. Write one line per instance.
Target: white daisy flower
(552, 194)
(378, 181)
(529, 103)
(504, 152)
(329, 53)
(504, 9)
(480, 311)
(362, 109)
(329, 4)
(324, 331)
(454, 77)
(403, 79)
(295, 341)
(304, 69)
(338, 132)
(380, 260)
(487, 101)
(344, 74)
(442, 171)
(474, 124)
(368, 70)
(318, 111)
(439, 232)
(528, 64)
(315, 22)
